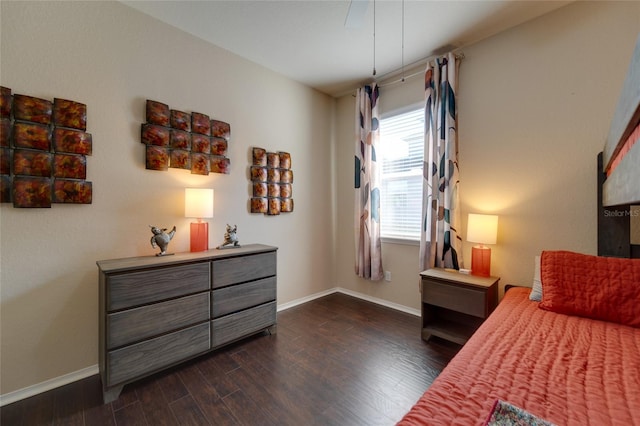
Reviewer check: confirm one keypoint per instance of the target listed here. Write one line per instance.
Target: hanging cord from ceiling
(403, 41)
(374, 37)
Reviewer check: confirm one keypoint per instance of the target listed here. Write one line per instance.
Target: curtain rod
(383, 83)
(421, 62)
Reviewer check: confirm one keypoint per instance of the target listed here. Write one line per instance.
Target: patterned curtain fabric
(367, 180)
(440, 240)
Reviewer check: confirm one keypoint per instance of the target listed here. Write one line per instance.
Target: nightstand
(454, 304)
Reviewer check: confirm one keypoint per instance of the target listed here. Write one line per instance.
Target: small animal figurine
(161, 239)
(230, 238)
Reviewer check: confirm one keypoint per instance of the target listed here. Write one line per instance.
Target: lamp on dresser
(482, 229)
(198, 203)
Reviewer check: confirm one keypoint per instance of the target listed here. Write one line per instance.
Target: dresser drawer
(243, 323)
(141, 323)
(238, 297)
(455, 297)
(137, 360)
(243, 268)
(137, 288)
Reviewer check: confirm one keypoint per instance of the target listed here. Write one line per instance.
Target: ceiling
(308, 41)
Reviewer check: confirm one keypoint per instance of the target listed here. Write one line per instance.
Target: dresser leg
(426, 335)
(111, 394)
(273, 329)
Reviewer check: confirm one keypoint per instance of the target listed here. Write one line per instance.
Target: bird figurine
(230, 238)
(161, 239)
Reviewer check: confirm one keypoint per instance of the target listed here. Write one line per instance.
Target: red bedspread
(564, 369)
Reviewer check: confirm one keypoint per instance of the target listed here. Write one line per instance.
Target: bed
(573, 356)
(565, 369)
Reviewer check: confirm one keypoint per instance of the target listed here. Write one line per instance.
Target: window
(402, 146)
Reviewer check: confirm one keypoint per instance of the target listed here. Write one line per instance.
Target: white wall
(113, 58)
(535, 104)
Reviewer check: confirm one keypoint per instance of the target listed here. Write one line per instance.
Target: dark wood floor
(336, 360)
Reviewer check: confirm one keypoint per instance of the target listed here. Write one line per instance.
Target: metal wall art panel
(43, 149)
(271, 182)
(190, 141)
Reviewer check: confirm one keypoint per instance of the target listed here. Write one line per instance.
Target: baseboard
(386, 303)
(47, 385)
(396, 306)
(289, 305)
(56, 382)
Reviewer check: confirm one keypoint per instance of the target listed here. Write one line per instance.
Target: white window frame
(395, 239)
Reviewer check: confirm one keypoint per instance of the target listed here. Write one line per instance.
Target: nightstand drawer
(467, 300)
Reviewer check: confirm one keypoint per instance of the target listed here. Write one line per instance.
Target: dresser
(156, 312)
(455, 304)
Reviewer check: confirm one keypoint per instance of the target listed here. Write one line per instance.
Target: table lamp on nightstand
(482, 229)
(198, 203)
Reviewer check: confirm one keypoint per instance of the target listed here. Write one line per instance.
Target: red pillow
(603, 288)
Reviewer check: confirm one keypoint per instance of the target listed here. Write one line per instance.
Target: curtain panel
(367, 181)
(440, 239)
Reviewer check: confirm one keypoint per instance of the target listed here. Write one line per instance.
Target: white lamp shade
(198, 202)
(482, 228)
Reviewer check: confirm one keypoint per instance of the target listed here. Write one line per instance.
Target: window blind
(402, 143)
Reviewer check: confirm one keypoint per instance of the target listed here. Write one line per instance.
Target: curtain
(367, 179)
(440, 239)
